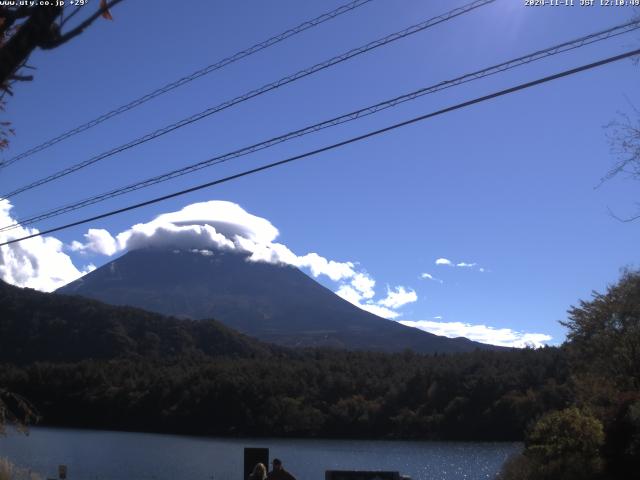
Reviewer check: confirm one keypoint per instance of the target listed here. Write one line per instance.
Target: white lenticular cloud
(229, 219)
(504, 337)
(37, 263)
(215, 224)
(171, 235)
(220, 225)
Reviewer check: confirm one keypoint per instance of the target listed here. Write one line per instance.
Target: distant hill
(274, 303)
(85, 364)
(36, 326)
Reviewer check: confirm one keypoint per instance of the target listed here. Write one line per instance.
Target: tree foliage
(599, 435)
(477, 396)
(563, 444)
(87, 364)
(566, 444)
(604, 334)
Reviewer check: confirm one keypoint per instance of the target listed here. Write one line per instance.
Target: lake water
(91, 454)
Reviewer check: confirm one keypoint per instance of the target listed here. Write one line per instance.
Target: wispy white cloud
(505, 337)
(364, 284)
(428, 276)
(466, 265)
(379, 310)
(449, 263)
(398, 297)
(386, 307)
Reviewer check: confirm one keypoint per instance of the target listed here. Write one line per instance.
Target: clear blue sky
(507, 184)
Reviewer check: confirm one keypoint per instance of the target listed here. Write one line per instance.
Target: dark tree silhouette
(23, 29)
(15, 410)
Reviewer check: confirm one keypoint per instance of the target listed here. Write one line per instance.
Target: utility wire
(348, 117)
(334, 146)
(189, 78)
(259, 91)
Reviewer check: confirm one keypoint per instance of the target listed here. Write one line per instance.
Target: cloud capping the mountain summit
(226, 225)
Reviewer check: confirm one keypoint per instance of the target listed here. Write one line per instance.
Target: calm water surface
(103, 455)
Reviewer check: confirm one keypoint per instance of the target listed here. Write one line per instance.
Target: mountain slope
(36, 326)
(273, 303)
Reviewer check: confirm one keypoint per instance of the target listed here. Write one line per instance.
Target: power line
(189, 78)
(373, 133)
(259, 91)
(523, 60)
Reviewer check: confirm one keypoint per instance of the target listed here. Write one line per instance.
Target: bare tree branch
(25, 28)
(21, 78)
(16, 410)
(79, 29)
(10, 15)
(69, 17)
(623, 219)
(37, 28)
(624, 141)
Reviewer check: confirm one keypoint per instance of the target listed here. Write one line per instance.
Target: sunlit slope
(274, 303)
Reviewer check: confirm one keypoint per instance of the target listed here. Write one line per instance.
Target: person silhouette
(278, 472)
(259, 472)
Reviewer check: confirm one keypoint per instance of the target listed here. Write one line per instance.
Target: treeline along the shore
(478, 396)
(577, 407)
(86, 364)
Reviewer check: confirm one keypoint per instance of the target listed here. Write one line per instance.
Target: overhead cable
(334, 146)
(189, 78)
(348, 117)
(254, 93)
